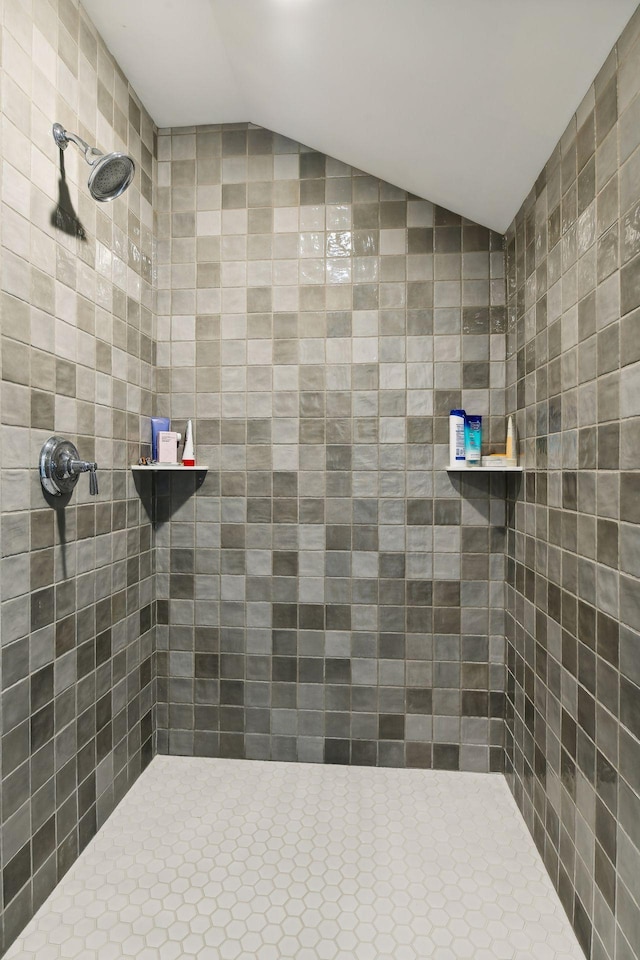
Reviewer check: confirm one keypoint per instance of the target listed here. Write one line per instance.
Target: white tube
(188, 455)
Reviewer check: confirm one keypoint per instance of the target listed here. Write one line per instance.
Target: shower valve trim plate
(60, 467)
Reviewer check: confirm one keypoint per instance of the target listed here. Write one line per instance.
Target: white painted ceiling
(458, 101)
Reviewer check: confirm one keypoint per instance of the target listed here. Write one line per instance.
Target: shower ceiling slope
(458, 101)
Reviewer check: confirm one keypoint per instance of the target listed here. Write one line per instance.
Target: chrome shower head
(110, 176)
(111, 173)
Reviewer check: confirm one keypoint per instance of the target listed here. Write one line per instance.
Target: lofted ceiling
(458, 101)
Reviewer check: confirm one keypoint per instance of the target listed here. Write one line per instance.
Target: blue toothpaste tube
(473, 440)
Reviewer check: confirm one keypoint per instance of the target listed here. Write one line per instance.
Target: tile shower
(328, 593)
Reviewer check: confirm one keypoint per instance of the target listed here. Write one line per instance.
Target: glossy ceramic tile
(214, 858)
(77, 340)
(572, 736)
(330, 592)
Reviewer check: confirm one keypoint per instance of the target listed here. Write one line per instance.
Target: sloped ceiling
(458, 101)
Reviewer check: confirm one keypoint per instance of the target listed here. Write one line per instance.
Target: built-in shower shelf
(161, 467)
(471, 470)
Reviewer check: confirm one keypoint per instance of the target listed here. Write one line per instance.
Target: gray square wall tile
(78, 353)
(572, 618)
(338, 572)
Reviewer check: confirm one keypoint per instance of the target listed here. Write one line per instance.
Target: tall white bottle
(456, 439)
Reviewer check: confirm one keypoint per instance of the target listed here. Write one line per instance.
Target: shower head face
(110, 176)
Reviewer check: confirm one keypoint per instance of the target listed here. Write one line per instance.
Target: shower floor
(226, 859)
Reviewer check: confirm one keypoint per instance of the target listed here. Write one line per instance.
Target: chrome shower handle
(79, 466)
(76, 467)
(60, 467)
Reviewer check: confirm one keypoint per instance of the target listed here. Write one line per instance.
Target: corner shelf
(161, 467)
(472, 470)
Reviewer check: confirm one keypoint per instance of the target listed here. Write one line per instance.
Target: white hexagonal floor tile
(238, 859)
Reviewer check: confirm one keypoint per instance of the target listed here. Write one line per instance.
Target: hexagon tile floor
(246, 860)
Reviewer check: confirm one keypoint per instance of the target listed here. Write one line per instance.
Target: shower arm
(62, 138)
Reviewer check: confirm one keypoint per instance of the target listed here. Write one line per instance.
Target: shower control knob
(60, 467)
(93, 480)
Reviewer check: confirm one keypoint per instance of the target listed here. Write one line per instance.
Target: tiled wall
(573, 594)
(328, 594)
(77, 360)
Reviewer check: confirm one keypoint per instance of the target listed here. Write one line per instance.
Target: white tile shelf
(485, 469)
(159, 467)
